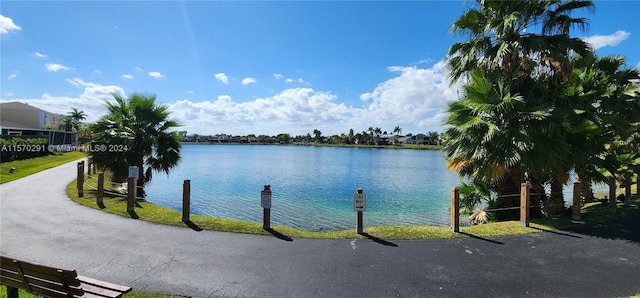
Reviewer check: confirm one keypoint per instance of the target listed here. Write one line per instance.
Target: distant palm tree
(76, 117)
(318, 135)
(140, 132)
(66, 123)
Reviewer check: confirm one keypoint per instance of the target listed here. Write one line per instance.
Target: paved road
(39, 223)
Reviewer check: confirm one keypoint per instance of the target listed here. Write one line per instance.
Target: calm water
(312, 187)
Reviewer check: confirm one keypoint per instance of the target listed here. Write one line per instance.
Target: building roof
(16, 105)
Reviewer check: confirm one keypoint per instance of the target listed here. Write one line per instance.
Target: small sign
(133, 172)
(359, 202)
(265, 199)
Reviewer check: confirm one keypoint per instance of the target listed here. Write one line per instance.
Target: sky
(261, 67)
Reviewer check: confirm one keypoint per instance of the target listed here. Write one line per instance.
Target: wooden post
(577, 200)
(80, 180)
(12, 292)
(100, 195)
(455, 209)
(265, 202)
(89, 164)
(186, 200)
(524, 204)
(131, 195)
(612, 194)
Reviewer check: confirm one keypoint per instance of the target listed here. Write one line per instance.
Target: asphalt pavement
(39, 223)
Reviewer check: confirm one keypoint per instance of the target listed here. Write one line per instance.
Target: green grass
(593, 213)
(30, 166)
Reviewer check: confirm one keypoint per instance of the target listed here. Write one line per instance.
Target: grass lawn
(25, 294)
(30, 166)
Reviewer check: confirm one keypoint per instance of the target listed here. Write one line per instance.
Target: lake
(312, 187)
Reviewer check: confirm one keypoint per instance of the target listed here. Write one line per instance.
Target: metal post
(577, 201)
(100, 195)
(524, 204)
(186, 200)
(455, 209)
(359, 224)
(131, 196)
(80, 180)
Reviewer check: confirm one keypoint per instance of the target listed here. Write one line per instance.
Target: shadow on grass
(133, 214)
(192, 225)
(480, 238)
(101, 205)
(378, 240)
(278, 234)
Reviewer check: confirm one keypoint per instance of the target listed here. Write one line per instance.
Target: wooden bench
(52, 282)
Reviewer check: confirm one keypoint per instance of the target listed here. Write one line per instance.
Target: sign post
(265, 201)
(359, 206)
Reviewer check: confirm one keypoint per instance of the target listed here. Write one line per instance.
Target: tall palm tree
(318, 135)
(77, 116)
(505, 128)
(142, 129)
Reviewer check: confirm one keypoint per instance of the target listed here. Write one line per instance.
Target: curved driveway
(39, 223)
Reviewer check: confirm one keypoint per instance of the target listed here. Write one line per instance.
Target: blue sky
(256, 67)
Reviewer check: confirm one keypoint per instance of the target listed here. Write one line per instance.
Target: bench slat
(91, 289)
(103, 284)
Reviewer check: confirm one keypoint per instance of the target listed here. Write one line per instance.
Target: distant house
(417, 139)
(19, 119)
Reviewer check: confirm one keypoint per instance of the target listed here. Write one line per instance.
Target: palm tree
(66, 123)
(76, 117)
(143, 129)
(505, 128)
(318, 135)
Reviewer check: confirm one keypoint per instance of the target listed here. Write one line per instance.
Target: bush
(18, 148)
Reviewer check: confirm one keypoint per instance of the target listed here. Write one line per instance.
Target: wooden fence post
(524, 204)
(186, 200)
(100, 195)
(577, 200)
(265, 202)
(89, 164)
(80, 180)
(455, 209)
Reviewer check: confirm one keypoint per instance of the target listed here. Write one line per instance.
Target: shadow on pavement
(481, 238)
(278, 234)
(557, 232)
(192, 225)
(378, 240)
(624, 228)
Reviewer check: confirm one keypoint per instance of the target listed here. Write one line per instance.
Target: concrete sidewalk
(39, 223)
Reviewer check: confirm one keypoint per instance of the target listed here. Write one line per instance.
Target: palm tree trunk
(555, 204)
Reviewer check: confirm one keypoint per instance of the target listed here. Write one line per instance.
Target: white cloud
(40, 55)
(417, 96)
(300, 80)
(12, 76)
(277, 76)
(247, 81)
(222, 78)
(91, 100)
(156, 75)
(598, 41)
(7, 25)
(127, 76)
(638, 66)
(189, 92)
(139, 69)
(288, 80)
(54, 67)
(95, 72)
(9, 93)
